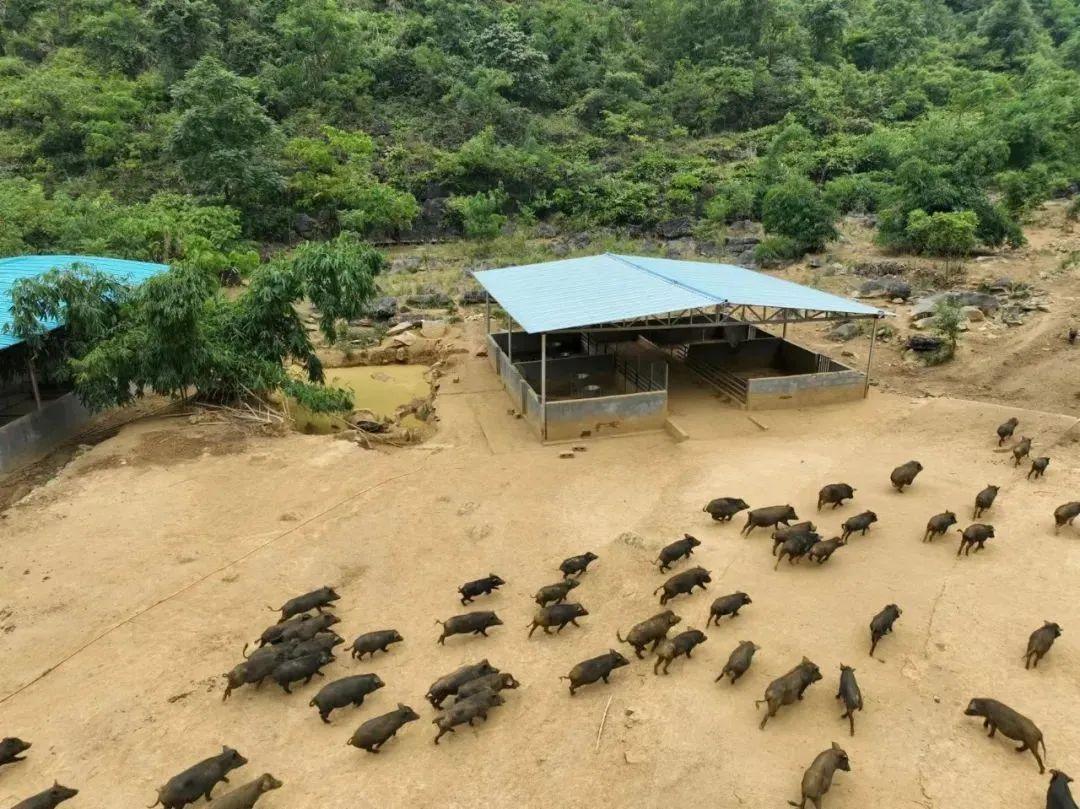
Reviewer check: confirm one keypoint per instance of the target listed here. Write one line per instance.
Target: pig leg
(993, 729)
(874, 638)
(773, 708)
(605, 679)
(746, 529)
(778, 560)
(656, 665)
(575, 623)
(851, 720)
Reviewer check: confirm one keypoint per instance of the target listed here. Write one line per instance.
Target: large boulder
(923, 343)
(988, 304)
(842, 332)
(382, 308)
(675, 228)
(886, 287)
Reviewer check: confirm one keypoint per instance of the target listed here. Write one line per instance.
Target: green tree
(338, 277)
(1010, 30)
(224, 142)
(184, 30)
(796, 209)
(950, 234)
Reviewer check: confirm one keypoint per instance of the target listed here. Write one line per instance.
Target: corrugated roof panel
(742, 286)
(588, 291)
(584, 291)
(12, 269)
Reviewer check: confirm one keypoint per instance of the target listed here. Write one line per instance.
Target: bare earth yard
(138, 575)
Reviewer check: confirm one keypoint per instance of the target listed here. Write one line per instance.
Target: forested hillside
(199, 129)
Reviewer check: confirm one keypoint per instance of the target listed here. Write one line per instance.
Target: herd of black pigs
(302, 642)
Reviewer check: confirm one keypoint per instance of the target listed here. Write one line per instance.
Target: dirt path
(135, 580)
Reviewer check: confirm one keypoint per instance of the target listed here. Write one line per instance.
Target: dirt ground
(1029, 365)
(133, 580)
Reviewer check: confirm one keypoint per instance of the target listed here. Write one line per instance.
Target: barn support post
(33, 381)
(543, 386)
(510, 339)
(487, 313)
(870, 357)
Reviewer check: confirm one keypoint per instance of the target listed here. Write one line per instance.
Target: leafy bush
(777, 249)
(942, 234)
(479, 214)
(795, 209)
(319, 398)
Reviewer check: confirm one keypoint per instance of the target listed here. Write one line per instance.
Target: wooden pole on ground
(870, 358)
(543, 385)
(33, 381)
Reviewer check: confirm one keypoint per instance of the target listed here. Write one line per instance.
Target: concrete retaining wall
(802, 390)
(606, 414)
(34, 434)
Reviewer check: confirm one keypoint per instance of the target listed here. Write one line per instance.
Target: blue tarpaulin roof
(588, 291)
(12, 269)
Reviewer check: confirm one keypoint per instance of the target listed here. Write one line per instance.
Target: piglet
(788, 688)
(466, 712)
(557, 615)
(834, 493)
(974, 536)
(496, 682)
(1065, 514)
(1038, 467)
(984, 500)
(302, 668)
(904, 475)
(684, 582)
(722, 509)
(860, 522)
(448, 685)
(1005, 431)
(1021, 450)
(727, 605)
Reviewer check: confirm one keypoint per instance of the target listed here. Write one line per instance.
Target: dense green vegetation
(179, 333)
(192, 130)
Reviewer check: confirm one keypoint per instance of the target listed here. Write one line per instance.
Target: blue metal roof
(587, 291)
(12, 269)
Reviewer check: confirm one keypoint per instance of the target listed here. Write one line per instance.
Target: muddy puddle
(378, 390)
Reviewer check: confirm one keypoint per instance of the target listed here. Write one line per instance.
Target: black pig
(449, 684)
(938, 525)
(346, 691)
(788, 688)
(817, 780)
(1064, 515)
(999, 716)
(595, 668)
(577, 564)
(1005, 431)
(1058, 795)
(10, 748)
(974, 536)
(738, 661)
(727, 605)
(555, 593)
(768, 517)
(50, 798)
(683, 583)
(556, 615)
(722, 509)
(1040, 642)
(882, 624)
(199, 781)
(984, 500)
(860, 522)
(835, 493)
(485, 586)
(849, 694)
(371, 642)
(315, 600)
(376, 732)
(904, 475)
(681, 644)
(677, 550)
(651, 630)
(476, 623)
(1038, 467)
(302, 668)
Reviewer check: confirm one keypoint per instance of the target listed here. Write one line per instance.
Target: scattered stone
(400, 355)
(433, 329)
(973, 313)
(456, 379)
(566, 454)
(482, 352)
(580, 449)
(400, 328)
(404, 339)
(885, 287)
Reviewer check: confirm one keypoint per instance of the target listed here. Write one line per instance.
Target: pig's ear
(835, 746)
